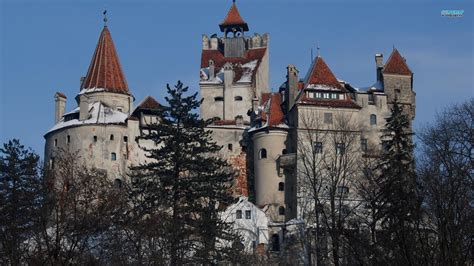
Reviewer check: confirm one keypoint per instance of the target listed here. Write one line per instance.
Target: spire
(396, 64)
(321, 74)
(233, 20)
(105, 71)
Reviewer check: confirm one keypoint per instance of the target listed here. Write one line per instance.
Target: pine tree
(185, 183)
(20, 200)
(398, 187)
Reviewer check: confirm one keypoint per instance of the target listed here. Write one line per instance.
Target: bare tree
(76, 214)
(328, 161)
(446, 176)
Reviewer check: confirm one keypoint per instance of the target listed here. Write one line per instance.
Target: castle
(272, 139)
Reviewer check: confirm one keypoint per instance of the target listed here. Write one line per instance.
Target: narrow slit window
(112, 137)
(68, 139)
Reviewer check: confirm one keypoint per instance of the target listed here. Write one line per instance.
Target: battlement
(246, 42)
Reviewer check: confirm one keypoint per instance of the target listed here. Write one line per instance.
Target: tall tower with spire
(233, 76)
(103, 127)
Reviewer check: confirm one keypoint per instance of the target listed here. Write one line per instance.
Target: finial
(105, 17)
(233, 1)
(318, 50)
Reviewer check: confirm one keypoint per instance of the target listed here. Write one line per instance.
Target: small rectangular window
(363, 145)
(318, 147)
(113, 156)
(342, 190)
(326, 95)
(95, 138)
(327, 118)
(318, 95)
(125, 139)
(248, 215)
(373, 120)
(55, 142)
(229, 146)
(238, 214)
(68, 139)
(340, 148)
(112, 137)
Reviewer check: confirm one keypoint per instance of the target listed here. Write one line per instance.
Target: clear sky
(46, 46)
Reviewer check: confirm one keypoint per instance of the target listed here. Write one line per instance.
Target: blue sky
(46, 46)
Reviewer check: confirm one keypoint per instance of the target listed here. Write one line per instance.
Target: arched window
(118, 183)
(113, 156)
(219, 99)
(262, 154)
(281, 210)
(229, 146)
(281, 186)
(373, 119)
(111, 136)
(238, 98)
(275, 242)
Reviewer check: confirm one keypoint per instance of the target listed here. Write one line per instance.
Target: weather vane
(105, 17)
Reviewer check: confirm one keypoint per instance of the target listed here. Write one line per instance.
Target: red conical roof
(233, 18)
(396, 64)
(322, 75)
(105, 71)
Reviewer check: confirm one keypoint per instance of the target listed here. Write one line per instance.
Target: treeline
(401, 211)
(165, 213)
(413, 212)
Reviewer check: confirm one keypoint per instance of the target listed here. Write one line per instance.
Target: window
(118, 183)
(342, 190)
(275, 242)
(219, 99)
(318, 147)
(385, 146)
(310, 94)
(327, 118)
(371, 99)
(326, 95)
(238, 214)
(51, 163)
(95, 138)
(68, 139)
(125, 139)
(318, 95)
(113, 156)
(238, 98)
(373, 119)
(363, 145)
(281, 210)
(262, 154)
(229, 146)
(283, 151)
(112, 137)
(120, 109)
(334, 95)
(281, 186)
(248, 215)
(340, 148)
(55, 142)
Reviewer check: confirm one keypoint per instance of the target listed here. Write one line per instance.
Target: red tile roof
(321, 74)
(219, 60)
(396, 64)
(275, 114)
(60, 94)
(105, 71)
(233, 18)
(149, 103)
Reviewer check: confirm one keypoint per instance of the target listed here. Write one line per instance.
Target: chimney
(379, 65)
(211, 70)
(291, 86)
(81, 81)
(83, 108)
(228, 92)
(60, 106)
(205, 42)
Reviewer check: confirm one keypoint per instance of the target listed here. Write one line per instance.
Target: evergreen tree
(398, 188)
(19, 201)
(185, 183)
